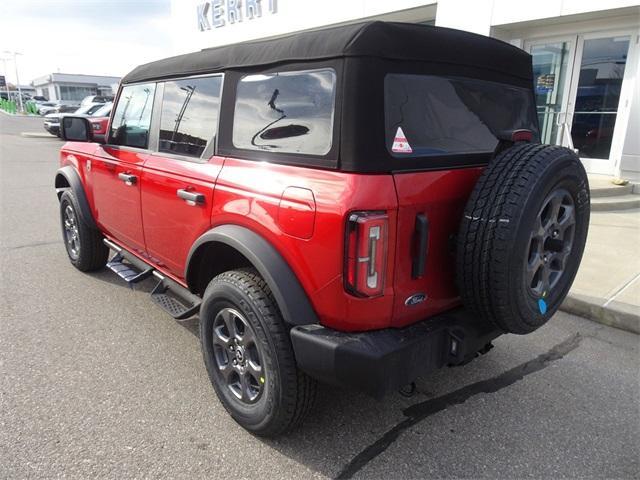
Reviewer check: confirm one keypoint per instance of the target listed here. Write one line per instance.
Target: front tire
(84, 245)
(249, 357)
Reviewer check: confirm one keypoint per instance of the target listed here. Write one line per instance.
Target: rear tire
(522, 236)
(249, 357)
(84, 245)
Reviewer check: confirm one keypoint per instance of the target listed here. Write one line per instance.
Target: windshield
(433, 116)
(104, 110)
(87, 109)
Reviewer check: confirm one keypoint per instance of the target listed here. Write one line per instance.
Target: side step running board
(172, 297)
(126, 270)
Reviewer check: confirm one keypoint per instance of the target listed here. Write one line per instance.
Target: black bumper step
(175, 299)
(381, 361)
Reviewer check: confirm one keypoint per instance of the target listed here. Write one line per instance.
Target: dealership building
(73, 87)
(585, 54)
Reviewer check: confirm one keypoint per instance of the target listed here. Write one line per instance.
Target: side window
(131, 120)
(287, 112)
(189, 118)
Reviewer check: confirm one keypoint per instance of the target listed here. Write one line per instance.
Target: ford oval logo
(415, 299)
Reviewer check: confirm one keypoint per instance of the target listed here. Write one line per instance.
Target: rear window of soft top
(427, 116)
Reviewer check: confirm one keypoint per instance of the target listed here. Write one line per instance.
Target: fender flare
(74, 182)
(293, 301)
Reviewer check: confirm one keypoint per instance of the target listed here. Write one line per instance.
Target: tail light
(366, 253)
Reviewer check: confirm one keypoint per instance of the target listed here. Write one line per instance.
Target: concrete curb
(22, 115)
(594, 309)
(37, 135)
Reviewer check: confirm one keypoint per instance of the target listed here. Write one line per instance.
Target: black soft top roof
(388, 40)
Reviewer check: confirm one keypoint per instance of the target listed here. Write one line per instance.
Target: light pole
(4, 71)
(15, 64)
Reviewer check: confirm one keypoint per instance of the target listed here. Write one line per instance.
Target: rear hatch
(450, 127)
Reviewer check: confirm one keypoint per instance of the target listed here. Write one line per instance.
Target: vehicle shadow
(347, 429)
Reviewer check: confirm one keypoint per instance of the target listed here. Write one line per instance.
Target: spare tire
(522, 236)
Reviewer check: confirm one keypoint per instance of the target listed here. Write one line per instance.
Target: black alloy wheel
(551, 242)
(71, 233)
(238, 356)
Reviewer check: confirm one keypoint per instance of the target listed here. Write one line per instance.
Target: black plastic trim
(73, 179)
(292, 300)
(422, 239)
(381, 361)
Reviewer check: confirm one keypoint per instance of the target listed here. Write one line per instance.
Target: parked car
(100, 122)
(52, 120)
(96, 99)
(355, 205)
(58, 106)
(45, 107)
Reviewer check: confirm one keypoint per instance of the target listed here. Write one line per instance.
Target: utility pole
(4, 71)
(15, 64)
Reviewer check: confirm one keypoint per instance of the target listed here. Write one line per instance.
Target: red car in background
(99, 127)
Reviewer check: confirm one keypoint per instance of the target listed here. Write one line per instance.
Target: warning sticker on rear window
(400, 143)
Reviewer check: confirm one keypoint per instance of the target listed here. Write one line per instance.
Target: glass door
(579, 83)
(551, 63)
(597, 82)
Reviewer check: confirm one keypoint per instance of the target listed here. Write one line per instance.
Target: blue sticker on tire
(542, 305)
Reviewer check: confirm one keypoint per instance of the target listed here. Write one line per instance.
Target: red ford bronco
(357, 205)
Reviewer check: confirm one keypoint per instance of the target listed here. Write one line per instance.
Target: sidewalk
(607, 287)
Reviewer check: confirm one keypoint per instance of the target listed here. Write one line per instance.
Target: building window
(189, 117)
(287, 112)
(74, 93)
(131, 120)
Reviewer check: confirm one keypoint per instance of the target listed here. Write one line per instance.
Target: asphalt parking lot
(96, 381)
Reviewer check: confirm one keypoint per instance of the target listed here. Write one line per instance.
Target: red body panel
(300, 211)
(171, 225)
(116, 204)
(441, 196)
(249, 193)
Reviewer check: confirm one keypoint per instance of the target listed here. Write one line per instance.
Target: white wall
(291, 16)
(630, 160)
(510, 11)
(479, 16)
(472, 16)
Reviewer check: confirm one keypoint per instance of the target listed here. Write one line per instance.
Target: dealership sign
(218, 13)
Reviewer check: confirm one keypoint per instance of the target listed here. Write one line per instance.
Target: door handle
(128, 178)
(421, 240)
(192, 198)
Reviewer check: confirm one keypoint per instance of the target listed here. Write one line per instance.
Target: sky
(96, 37)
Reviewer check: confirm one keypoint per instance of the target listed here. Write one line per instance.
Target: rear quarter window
(433, 116)
(286, 112)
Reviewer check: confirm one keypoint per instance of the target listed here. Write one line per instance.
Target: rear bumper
(381, 361)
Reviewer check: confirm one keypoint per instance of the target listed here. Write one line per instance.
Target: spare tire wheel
(522, 236)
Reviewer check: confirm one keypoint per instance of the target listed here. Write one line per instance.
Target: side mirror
(76, 129)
